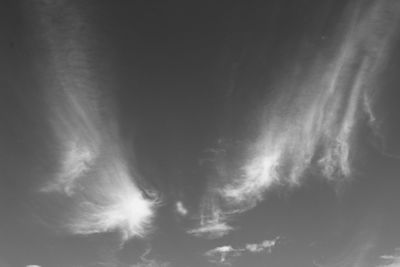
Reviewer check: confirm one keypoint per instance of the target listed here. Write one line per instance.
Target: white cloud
(212, 222)
(93, 172)
(211, 230)
(313, 118)
(260, 247)
(222, 255)
(392, 260)
(225, 254)
(110, 201)
(181, 209)
(146, 262)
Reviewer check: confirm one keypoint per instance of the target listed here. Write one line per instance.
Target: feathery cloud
(93, 172)
(313, 119)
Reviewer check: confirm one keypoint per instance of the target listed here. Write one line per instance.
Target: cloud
(358, 256)
(110, 201)
(181, 209)
(146, 262)
(359, 248)
(211, 230)
(212, 222)
(312, 119)
(391, 260)
(152, 263)
(260, 247)
(221, 255)
(93, 174)
(225, 254)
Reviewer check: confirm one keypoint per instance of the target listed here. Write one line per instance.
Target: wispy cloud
(147, 262)
(212, 223)
(312, 120)
(225, 254)
(358, 249)
(181, 209)
(211, 230)
(222, 255)
(93, 171)
(265, 245)
(109, 201)
(152, 263)
(391, 260)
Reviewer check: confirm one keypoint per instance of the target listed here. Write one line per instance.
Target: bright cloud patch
(181, 209)
(225, 254)
(265, 245)
(392, 260)
(93, 173)
(211, 230)
(108, 200)
(312, 119)
(147, 262)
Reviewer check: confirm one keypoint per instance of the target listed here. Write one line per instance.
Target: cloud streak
(213, 221)
(313, 118)
(265, 245)
(392, 260)
(146, 262)
(225, 254)
(219, 255)
(93, 172)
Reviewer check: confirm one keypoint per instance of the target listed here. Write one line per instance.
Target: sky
(199, 133)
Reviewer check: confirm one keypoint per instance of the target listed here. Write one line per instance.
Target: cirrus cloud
(93, 174)
(312, 119)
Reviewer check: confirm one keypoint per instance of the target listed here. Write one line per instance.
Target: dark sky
(199, 133)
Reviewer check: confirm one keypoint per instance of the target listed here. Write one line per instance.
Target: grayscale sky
(200, 133)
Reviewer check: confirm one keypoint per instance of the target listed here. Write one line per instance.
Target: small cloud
(391, 260)
(213, 221)
(211, 230)
(265, 245)
(181, 209)
(224, 254)
(146, 262)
